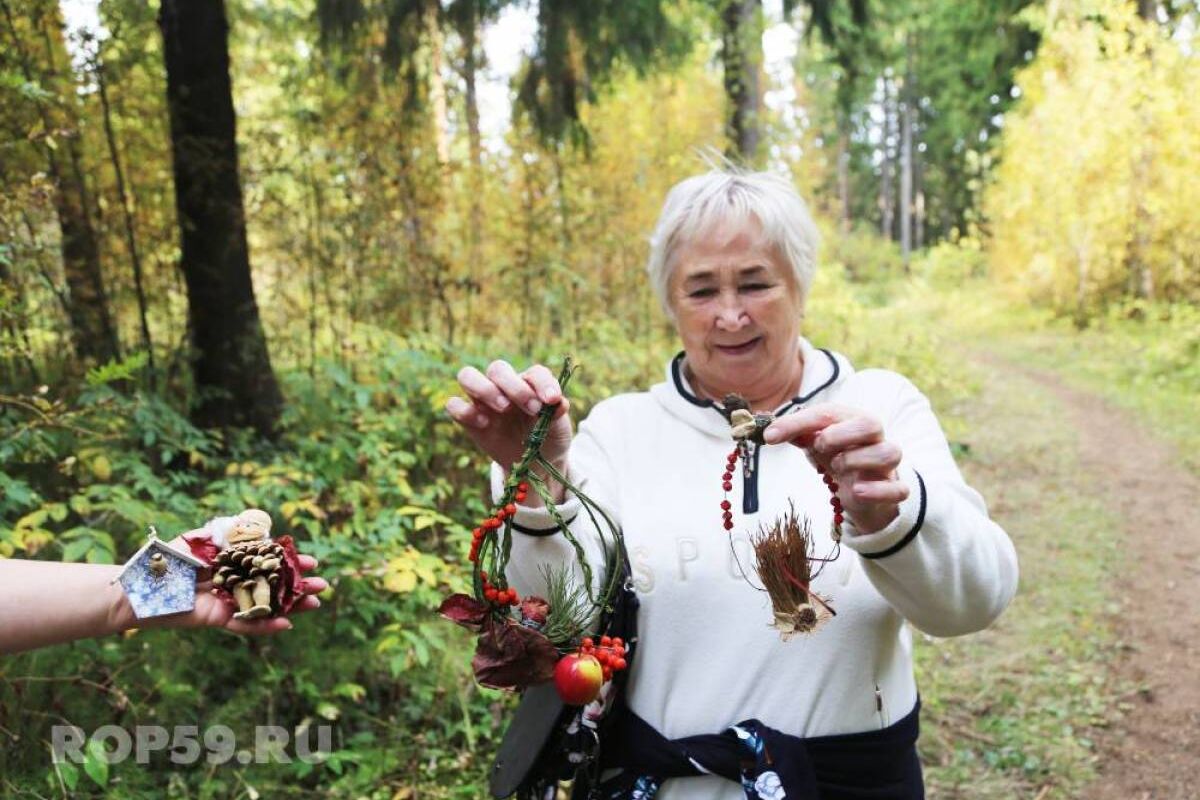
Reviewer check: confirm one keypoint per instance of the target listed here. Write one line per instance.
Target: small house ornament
(160, 580)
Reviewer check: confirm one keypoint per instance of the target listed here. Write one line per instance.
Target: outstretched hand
(501, 408)
(850, 444)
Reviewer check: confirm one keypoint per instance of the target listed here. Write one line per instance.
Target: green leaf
(351, 691)
(116, 370)
(33, 519)
(76, 550)
(80, 504)
(69, 774)
(95, 763)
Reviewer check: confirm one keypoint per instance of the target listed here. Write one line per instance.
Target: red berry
(510, 509)
(726, 505)
(520, 497)
(728, 524)
(837, 519)
(605, 641)
(522, 487)
(491, 594)
(727, 476)
(607, 673)
(727, 486)
(833, 487)
(587, 641)
(483, 575)
(619, 664)
(618, 641)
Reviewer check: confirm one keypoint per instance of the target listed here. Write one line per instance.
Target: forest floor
(1086, 687)
(1152, 752)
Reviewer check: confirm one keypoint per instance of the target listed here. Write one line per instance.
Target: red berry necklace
(783, 552)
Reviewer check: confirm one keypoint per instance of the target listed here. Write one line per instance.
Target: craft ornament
(160, 580)
(253, 573)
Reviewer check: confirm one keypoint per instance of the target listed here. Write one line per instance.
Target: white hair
(724, 195)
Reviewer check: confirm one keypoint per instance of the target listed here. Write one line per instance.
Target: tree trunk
(918, 196)
(437, 81)
(886, 204)
(742, 57)
(127, 214)
(1141, 274)
(469, 31)
(234, 382)
(92, 330)
(906, 159)
(843, 176)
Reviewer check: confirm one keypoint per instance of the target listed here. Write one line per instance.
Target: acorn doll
(257, 574)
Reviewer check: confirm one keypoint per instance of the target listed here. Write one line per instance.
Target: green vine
(496, 545)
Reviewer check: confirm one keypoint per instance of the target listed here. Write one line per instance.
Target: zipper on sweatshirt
(750, 478)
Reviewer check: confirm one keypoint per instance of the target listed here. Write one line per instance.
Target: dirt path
(1153, 751)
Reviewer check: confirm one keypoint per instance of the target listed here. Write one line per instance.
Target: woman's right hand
(501, 407)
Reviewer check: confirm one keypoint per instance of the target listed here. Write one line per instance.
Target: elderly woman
(732, 259)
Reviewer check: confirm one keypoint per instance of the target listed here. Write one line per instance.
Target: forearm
(46, 602)
(942, 564)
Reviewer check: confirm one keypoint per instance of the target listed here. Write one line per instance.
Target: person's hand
(501, 407)
(850, 445)
(213, 612)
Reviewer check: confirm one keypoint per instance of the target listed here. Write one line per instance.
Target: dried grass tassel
(785, 565)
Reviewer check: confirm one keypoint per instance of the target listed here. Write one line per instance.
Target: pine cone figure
(251, 571)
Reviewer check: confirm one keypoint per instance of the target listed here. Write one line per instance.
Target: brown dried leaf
(511, 656)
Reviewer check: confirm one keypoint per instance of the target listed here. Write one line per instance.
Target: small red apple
(578, 678)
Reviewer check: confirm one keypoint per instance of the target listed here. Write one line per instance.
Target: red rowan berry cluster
(609, 651)
(496, 520)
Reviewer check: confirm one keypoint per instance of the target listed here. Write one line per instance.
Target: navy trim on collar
(677, 377)
(538, 531)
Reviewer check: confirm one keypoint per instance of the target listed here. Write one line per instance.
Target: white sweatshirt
(707, 657)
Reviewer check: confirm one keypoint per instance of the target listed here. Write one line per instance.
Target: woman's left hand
(850, 445)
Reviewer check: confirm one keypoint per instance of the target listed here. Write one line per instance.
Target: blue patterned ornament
(160, 580)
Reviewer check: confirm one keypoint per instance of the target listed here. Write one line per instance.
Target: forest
(247, 245)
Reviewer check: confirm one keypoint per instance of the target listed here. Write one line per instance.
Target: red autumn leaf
(202, 547)
(290, 588)
(511, 656)
(465, 610)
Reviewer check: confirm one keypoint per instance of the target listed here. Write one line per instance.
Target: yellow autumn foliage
(1095, 193)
